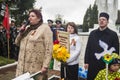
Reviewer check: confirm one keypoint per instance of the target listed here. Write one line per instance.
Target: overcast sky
(72, 10)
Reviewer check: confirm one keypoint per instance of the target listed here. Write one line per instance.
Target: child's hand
(86, 66)
(73, 42)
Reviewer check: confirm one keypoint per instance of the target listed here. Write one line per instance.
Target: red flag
(6, 22)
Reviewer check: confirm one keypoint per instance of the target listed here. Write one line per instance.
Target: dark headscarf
(103, 14)
(49, 20)
(58, 21)
(114, 61)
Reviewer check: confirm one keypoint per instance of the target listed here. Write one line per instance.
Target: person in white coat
(72, 63)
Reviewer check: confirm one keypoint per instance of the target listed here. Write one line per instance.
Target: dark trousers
(14, 50)
(71, 72)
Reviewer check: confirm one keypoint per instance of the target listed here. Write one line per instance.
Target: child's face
(114, 67)
(70, 29)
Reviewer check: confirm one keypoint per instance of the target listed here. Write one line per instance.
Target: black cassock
(110, 38)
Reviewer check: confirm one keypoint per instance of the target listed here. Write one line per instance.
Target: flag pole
(8, 48)
(7, 27)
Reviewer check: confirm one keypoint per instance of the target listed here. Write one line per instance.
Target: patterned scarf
(32, 27)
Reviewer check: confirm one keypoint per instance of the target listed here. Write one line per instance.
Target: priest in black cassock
(110, 40)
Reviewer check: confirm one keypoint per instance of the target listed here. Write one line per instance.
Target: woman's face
(70, 29)
(33, 18)
(115, 67)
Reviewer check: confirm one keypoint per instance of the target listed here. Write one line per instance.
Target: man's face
(12, 24)
(58, 24)
(50, 24)
(103, 22)
(1, 27)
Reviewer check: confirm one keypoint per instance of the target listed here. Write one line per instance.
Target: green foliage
(86, 22)
(1, 0)
(90, 18)
(23, 8)
(94, 16)
(4, 61)
(19, 9)
(118, 20)
(51, 64)
(1, 17)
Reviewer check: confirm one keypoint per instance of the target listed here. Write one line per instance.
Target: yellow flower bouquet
(60, 53)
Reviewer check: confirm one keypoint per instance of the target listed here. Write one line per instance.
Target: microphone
(24, 26)
(27, 22)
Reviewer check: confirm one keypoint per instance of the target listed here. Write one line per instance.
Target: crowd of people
(32, 46)
(13, 49)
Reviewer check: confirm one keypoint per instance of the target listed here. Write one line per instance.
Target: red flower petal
(56, 42)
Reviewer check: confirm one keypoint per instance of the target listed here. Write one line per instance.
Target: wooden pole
(8, 47)
(106, 71)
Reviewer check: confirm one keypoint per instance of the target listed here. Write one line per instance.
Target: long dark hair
(73, 25)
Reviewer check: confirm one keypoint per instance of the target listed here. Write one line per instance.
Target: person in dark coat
(50, 23)
(107, 36)
(58, 26)
(13, 48)
(3, 42)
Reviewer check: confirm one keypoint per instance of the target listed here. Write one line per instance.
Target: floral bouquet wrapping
(60, 53)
